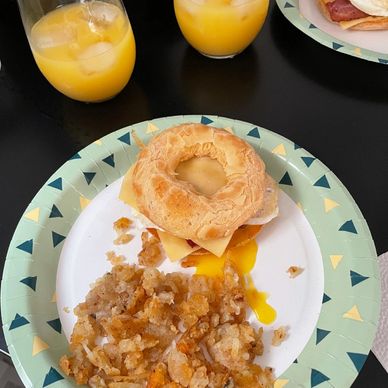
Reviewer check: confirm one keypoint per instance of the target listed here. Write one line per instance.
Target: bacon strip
(344, 10)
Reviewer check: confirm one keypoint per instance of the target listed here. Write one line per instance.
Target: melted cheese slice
(345, 25)
(127, 195)
(217, 246)
(205, 174)
(176, 248)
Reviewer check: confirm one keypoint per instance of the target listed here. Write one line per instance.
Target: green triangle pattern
(75, 156)
(325, 298)
(89, 176)
(56, 184)
(110, 160)
(55, 212)
(317, 377)
(254, 132)
(321, 334)
(18, 321)
(356, 278)
(57, 238)
(308, 160)
(286, 179)
(322, 182)
(205, 120)
(27, 246)
(56, 325)
(125, 138)
(52, 377)
(348, 226)
(30, 282)
(358, 360)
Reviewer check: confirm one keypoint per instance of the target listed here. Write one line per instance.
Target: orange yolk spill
(257, 301)
(244, 259)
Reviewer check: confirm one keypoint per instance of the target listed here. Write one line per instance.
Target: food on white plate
(294, 271)
(357, 14)
(279, 335)
(196, 187)
(142, 328)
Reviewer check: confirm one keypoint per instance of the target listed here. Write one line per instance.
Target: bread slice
(369, 23)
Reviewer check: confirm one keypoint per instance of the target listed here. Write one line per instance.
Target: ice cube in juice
(85, 50)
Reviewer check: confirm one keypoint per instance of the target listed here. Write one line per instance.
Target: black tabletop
(333, 105)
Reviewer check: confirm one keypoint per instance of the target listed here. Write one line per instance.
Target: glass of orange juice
(85, 48)
(220, 28)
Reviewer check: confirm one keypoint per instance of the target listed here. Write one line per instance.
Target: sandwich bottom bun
(369, 23)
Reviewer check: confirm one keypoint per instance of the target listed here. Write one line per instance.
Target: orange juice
(220, 28)
(85, 50)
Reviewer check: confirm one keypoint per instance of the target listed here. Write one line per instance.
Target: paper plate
(313, 24)
(340, 336)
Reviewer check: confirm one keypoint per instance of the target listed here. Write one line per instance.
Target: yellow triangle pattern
(138, 141)
(299, 205)
(54, 298)
(279, 150)
(38, 346)
(357, 51)
(280, 383)
(335, 260)
(228, 129)
(329, 204)
(98, 142)
(354, 314)
(33, 215)
(83, 202)
(152, 128)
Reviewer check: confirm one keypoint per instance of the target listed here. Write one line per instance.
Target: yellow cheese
(205, 174)
(127, 194)
(351, 23)
(217, 246)
(176, 248)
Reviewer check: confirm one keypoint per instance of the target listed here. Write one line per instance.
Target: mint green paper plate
(347, 323)
(290, 9)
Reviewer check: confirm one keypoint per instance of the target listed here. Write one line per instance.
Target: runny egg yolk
(244, 259)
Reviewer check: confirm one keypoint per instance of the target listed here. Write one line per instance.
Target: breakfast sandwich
(200, 189)
(356, 14)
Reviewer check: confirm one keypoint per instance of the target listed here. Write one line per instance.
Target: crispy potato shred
(121, 227)
(143, 328)
(279, 335)
(294, 271)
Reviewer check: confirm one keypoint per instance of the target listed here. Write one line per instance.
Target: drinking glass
(220, 28)
(85, 48)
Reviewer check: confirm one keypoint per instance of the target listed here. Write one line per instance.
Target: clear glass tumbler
(220, 28)
(85, 48)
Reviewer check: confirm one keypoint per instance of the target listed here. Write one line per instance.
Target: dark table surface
(334, 105)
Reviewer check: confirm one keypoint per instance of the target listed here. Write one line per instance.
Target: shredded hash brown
(143, 328)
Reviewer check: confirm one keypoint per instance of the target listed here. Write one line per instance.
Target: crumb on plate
(295, 271)
(151, 255)
(122, 225)
(115, 259)
(279, 335)
(122, 239)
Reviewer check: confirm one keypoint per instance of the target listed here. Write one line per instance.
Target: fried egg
(372, 7)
